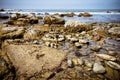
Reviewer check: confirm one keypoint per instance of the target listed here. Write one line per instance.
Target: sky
(60, 4)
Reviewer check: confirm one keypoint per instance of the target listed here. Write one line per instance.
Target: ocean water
(99, 15)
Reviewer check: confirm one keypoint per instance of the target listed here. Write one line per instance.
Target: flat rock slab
(31, 59)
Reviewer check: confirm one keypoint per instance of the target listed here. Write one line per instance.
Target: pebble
(98, 68)
(70, 63)
(113, 65)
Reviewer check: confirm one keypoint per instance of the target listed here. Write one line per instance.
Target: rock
(75, 62)
(48, 75)
(73, 39)
(98, 68)
(88, 64)
(85, 14)
(33, 20)
(40, 17)
(30, 15)
(83, 41)
(31, 34)
(12, 32)
(3, 67)
(113, 65)
(53, 20)
(14, 16)
(80, 61)
(70, 63)
(114, 31)
(4, 17)
(78, 45)
(68, 37)
(95, 48)
(74, 23)
(106, 57)
(112, 53)
(1, 10)
(33, 59)
(112, 74)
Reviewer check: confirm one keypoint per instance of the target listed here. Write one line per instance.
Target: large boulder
(32, 59)
(74, 23)
(53, 20)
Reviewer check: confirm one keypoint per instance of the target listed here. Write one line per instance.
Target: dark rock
(1, 10)
(4, 17)
(85, 14)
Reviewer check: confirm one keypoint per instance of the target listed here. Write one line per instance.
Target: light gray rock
(114, 30)
(98, 68)
(113, 65)
(74, 23)
(70, 63)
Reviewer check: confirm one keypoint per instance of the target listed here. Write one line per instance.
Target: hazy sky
(60, 4)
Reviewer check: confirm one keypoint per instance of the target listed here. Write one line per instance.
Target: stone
(11, 32)
(95, 48)
(112, 74)
(74, 39)
(113, 65)
(114, 30)
(78, 45)
(75, 62)
(3, 67)
(14, 16)
(112, 53)
(70, 63)
(85, 14)
(47, 44)
(80, 61)
(74, 23)
(88, 64)
(83, 41)
(53, 20)
(68, 37)
(31, 34)
(32, 59)
(98, 68)
(106, 57)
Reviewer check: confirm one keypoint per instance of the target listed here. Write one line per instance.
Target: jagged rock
(113, 65)
(106, 57)
(74, 23)
(32, 59)
(98, 68)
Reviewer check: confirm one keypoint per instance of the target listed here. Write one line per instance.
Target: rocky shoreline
(58, 49)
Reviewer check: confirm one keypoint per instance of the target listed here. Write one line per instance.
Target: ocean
(99, 15)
